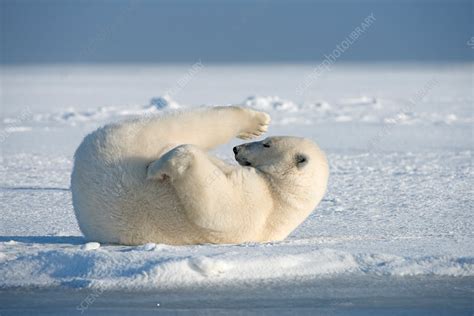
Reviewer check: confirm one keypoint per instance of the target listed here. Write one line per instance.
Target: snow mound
(362, 101)
(71, 116)
(164, 102)
(91, 246)
(364, 109)
(272, 103)
(160, 266)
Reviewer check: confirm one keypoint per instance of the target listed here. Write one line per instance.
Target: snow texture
(400, 197)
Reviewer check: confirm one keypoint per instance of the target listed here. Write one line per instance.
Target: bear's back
(102, 176)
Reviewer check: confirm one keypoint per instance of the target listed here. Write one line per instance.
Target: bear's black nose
(236, 150)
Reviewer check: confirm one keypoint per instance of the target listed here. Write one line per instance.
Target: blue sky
(144, 31)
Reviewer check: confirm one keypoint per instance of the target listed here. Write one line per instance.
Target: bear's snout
(237, 149)
(241, 160)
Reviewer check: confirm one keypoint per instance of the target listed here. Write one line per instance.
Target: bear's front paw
(173, 164)
(182, 158)
(156, 171)
(255, 124)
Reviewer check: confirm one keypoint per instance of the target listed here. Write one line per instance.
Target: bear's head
(294, 163)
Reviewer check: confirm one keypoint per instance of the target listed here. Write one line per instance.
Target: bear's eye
(267, 145)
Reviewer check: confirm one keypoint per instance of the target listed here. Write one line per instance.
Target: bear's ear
(301, 160)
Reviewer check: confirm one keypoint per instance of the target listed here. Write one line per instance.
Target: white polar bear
(152, 180)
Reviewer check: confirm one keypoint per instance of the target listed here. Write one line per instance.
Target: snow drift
(156, 266)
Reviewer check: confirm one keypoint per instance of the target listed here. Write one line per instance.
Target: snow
(91, 246)
(363, 109)
(114, 267)
(397, 217)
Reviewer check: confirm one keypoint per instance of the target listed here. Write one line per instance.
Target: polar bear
(153, 180)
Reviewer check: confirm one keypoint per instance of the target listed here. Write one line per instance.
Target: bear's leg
(218, 125)
(207, 195)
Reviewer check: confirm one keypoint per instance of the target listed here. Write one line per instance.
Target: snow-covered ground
(393, 233)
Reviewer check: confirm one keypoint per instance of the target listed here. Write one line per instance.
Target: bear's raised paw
(255, 124)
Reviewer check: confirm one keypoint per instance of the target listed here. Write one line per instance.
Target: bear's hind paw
(257, 124)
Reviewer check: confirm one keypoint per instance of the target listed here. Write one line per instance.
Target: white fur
(152, 180)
